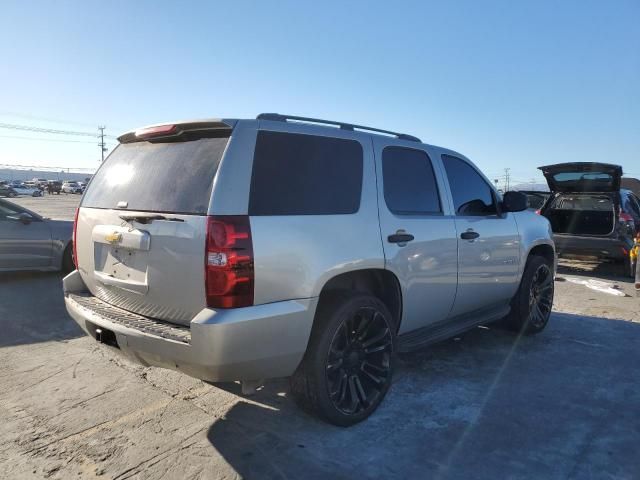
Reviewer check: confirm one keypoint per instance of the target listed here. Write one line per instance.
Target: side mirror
(23, 218)
(514, 202)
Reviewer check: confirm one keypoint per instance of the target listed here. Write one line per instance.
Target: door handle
(469, 235)
(400, 237)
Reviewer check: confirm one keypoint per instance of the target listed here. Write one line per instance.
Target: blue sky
(509, 84)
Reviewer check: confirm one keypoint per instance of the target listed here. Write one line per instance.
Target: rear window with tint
(174, 177)
(409, 182)
(296, 174)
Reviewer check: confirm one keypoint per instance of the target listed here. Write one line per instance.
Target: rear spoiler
(179, 131)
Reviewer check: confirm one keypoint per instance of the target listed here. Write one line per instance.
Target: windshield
(174, 177)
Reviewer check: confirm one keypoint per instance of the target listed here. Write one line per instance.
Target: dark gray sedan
(31, 242)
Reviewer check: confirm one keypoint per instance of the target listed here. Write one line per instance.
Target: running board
(448, 328)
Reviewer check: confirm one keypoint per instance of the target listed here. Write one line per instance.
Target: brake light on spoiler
(156, 131)
(229, 269)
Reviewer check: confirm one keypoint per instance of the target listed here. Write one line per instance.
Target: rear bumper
(601, 247)
(263, 341)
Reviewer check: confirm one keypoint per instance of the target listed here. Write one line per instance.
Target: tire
(348, 366)
(67, 260)
(531, 306)
(12, 194)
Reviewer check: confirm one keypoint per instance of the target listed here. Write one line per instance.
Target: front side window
(409, 182)
(296, 174)
(472, 196)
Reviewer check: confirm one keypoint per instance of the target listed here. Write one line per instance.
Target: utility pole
(102, 145)
(506, 179)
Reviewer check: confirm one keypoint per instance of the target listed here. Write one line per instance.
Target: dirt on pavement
(485, 405)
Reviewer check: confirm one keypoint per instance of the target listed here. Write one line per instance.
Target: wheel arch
(545, 251)
(379, 282)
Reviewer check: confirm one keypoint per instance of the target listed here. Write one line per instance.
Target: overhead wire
(28, 128)
(42, 139)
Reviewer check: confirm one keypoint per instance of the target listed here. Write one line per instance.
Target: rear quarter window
(296, 174)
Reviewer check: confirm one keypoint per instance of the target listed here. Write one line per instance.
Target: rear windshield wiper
(147, 218)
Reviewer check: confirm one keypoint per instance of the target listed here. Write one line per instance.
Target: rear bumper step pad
(170, 331)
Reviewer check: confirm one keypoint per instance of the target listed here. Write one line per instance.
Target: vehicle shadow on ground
(32, 309)
(562, 404)
(609, 271)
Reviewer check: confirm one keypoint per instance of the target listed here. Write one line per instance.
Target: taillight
(229, 275)
(74, 244)
(625, 217)
(538, 212)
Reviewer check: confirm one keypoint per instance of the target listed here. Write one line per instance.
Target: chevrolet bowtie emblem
(114, 237)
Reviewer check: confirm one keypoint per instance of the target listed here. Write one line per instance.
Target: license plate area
(121, 263)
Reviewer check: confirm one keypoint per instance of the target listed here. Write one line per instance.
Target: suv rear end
(197, 251)
(587, 210)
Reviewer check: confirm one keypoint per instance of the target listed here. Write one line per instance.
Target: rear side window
(174, 177)
(409, 182)
(296, 174)
(472, 195)
(630, 205)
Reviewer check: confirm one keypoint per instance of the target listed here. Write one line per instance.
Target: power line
(42, 139)
(28, 128)
(45, 168)
(44, 119)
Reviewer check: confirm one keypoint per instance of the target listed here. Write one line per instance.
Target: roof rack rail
(276, 117)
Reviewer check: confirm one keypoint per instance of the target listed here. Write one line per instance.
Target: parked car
(40, 182)
(23, 189)
(292, 248)
(7, 191)
(71, 187)
(590, 214)
(31, 242)
(54, 186)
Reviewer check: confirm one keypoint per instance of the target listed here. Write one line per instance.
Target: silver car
(289, 246)
(72, 187)
(31, 242)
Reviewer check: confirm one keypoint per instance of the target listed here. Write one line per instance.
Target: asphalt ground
(486, 405)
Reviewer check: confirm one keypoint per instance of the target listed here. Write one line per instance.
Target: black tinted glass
(297, 174)
(409, 182)
(172, 177)
(471, 194)
(630, 205)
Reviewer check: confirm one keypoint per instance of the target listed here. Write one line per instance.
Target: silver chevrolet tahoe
(290, 246)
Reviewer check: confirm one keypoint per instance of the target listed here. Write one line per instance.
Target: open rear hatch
(142, 222)
(581, 214)
(583, 177)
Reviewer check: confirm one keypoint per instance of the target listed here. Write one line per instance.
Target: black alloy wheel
(540, 297)
(347, 368)
(358, 365)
